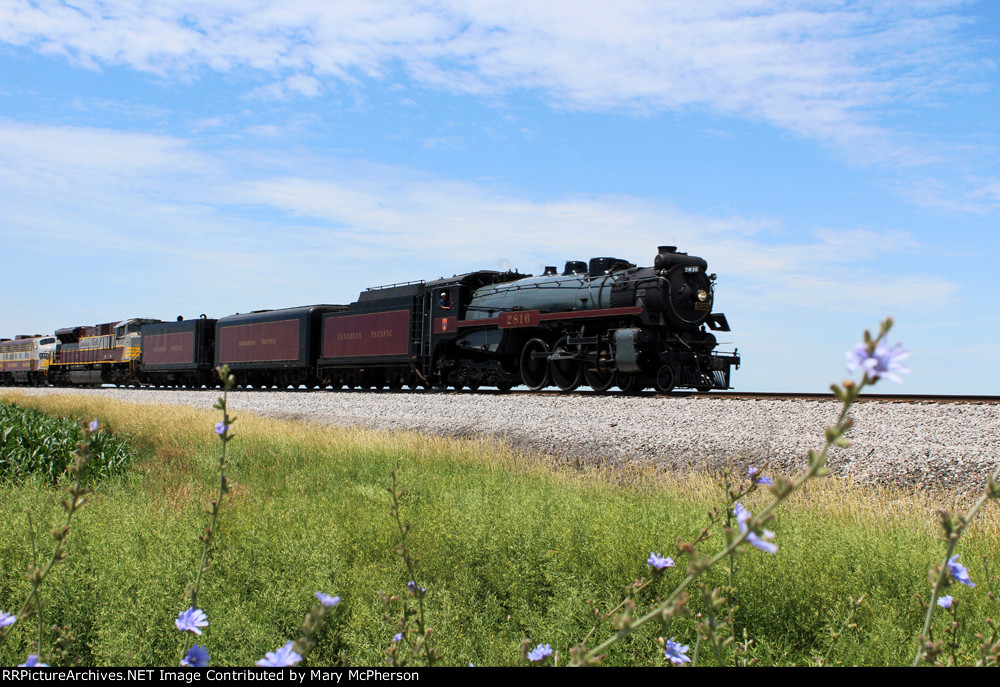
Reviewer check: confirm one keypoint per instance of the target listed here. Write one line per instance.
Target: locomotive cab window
(446, 302)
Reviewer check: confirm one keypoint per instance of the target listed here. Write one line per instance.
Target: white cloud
(391, 213)
(93, 150)
(149, 201)
(295, 85)
(975, 196)
(820, 69)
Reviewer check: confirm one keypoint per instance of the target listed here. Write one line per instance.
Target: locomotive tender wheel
(665, 379)
(534, 366)
(565, 374)
(505, 386)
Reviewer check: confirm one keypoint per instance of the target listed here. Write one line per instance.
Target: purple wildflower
(945, 602)
(959, 571)
(33, 662)
(398, 637)
(676, 652)
(540, 653)
(762, 479)
(282, 658)
(327, 600)
(659, 562)
(191, 620)
(883, 362)
(742, 516)
(220, 428)
(7, 619)
(93, 426)
(197, 657)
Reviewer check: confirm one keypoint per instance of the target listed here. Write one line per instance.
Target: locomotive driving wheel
(629, 383)
(535, 365)
(601, 375)
(598, 380)
(565, 372)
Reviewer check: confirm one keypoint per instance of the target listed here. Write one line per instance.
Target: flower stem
(942, 575)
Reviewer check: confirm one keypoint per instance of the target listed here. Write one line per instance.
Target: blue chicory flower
(191, 620)
(659, 562)
(540, 653)
(959, 571)
(197, 657)
(7, 619)
(676, 651)
(762, 479)
(93, 426)
(33, 662)
(945, 602)
(883, 362)
(398, 637)
(220, 428)
(742, 516)
(327, 600)
(282, 658)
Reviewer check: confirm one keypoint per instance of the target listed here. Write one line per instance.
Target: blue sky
(835, 161)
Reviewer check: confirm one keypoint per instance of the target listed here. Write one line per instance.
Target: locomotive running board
(532, 318)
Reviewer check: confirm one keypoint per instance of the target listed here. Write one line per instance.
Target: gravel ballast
(939, 446)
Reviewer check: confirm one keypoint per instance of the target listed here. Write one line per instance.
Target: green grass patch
(37, 443)
(508, 547)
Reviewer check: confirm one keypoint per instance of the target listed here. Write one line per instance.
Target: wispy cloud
(974, 196)
(821, 69)
(152, 205)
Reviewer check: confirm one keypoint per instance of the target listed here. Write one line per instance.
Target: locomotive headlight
(702, 295)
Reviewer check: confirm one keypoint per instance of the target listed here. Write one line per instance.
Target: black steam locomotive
(599, 324)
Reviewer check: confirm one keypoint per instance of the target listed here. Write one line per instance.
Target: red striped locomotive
(600, 324)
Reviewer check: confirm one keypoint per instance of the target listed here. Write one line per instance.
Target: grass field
(508, 546)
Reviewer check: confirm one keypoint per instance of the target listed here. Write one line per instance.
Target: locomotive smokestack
(662, 258)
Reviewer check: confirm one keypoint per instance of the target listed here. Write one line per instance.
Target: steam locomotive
(599, 324)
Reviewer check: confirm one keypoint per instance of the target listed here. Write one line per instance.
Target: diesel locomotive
(601, 324)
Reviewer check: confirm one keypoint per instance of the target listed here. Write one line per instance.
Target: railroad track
(865, 397)
(712, 395)
(756, 395)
